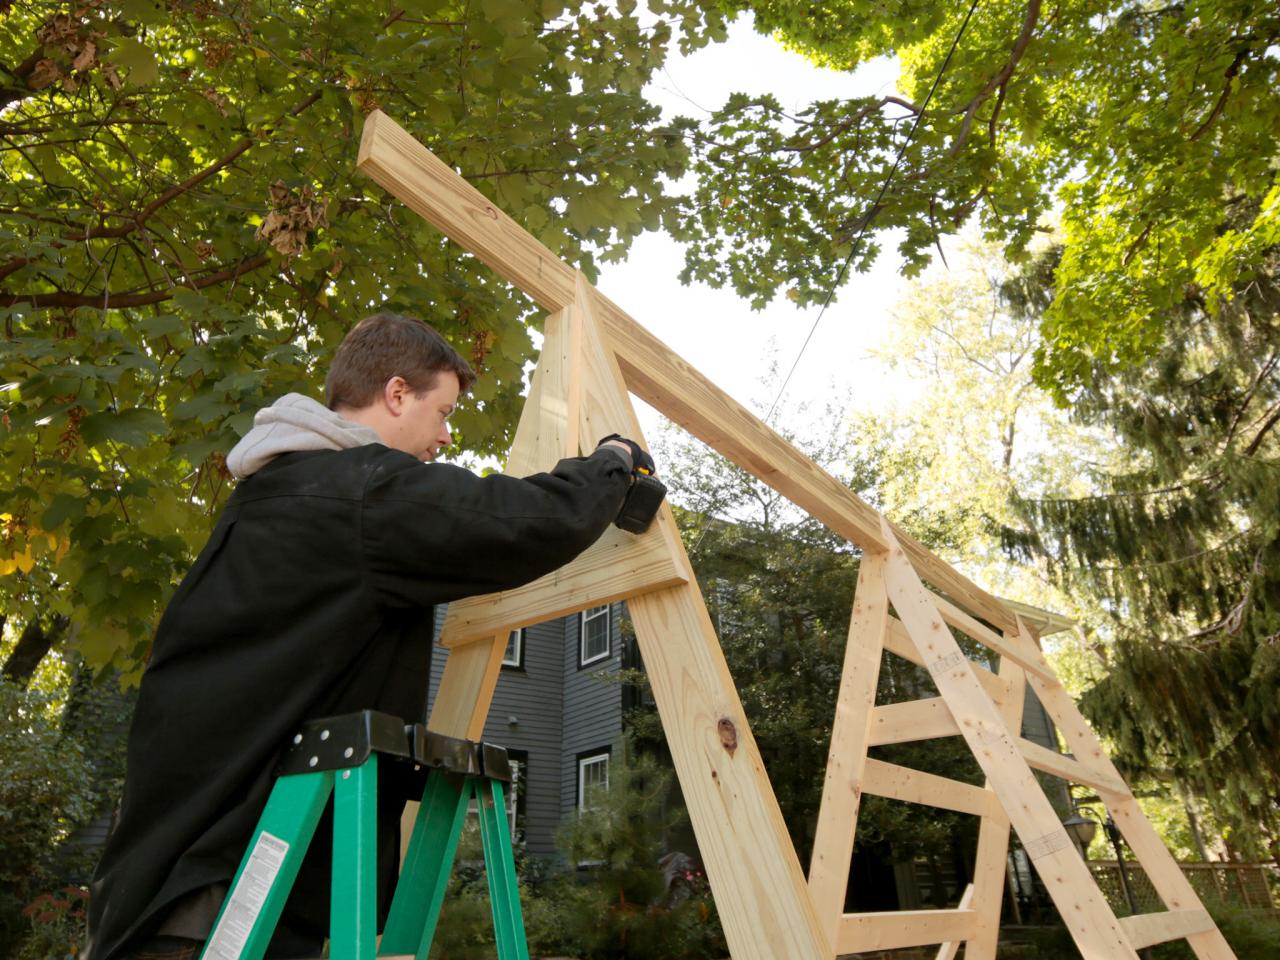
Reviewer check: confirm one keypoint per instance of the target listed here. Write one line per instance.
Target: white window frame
(518, 637)
(595, 613)
(583, 763)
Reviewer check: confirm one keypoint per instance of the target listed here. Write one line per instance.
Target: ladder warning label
(247, 899)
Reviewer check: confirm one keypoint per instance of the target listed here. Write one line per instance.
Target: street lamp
(1082, 826)
(1082, 830)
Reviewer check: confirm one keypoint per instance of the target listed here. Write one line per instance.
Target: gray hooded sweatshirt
(292, 424)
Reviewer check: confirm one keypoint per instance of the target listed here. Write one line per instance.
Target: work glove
(641, 462)
(646, 493)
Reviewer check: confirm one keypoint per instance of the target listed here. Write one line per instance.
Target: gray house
(559, 715)
(555, 715)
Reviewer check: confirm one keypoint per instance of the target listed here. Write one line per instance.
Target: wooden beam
(466, 689)
(409, 171)
(894, 929)
(431, 189)
(1069, 769)
(843, 785)
(948, 950)
(1162, 870)
(1148, 929)
(915, 786)
(991, 861)
(898, 641)
(1081, 905)
(755, 875)
(1032, 660)
(912, 720)
(613, 568)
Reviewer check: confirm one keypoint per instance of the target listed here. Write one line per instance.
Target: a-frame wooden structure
(593, 355)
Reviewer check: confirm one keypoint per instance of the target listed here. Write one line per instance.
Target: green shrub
(623, 906)
(1253, 935)
(46, 791)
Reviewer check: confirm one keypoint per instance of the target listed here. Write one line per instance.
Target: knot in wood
(728, 734)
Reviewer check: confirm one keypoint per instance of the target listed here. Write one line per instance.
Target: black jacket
(313, 597)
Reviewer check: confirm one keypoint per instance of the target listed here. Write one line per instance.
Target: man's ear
(393, 395)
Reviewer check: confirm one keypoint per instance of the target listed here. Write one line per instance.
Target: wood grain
(842, 785)
(1081, 905)
(894, 929)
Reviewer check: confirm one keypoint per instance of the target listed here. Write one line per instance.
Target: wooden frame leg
(850, 736)
(1094, 927)
(991, 862)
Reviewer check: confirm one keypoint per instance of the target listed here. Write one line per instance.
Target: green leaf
(64, 507)
(138, 59)
(130, 427)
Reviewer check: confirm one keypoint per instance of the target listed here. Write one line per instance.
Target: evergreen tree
(1183, 544)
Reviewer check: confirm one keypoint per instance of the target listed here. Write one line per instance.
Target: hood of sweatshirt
(291, 424)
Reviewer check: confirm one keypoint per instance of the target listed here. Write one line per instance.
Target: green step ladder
(340, 755)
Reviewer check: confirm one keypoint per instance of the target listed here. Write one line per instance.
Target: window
(514, 655)
(594, 635)
(593, 779)
(517, 792)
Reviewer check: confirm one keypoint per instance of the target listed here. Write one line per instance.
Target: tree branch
(178, 189)
(1218, 107)
(109, 301)
(1020, 45)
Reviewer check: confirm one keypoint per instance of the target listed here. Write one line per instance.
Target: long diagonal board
(593, 355)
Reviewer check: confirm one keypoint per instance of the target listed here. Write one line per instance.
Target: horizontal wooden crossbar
(897, 641)
(1070, 769)
(931, 718)
(1147, 929)
(911, 721)
(1027, 657)
(859, 932)
(915, 786)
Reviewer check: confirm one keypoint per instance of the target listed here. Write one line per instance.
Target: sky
(718, 332)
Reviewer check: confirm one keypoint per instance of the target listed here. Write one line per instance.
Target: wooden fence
(1247, 885)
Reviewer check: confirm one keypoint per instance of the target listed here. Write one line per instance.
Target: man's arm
(435, 532)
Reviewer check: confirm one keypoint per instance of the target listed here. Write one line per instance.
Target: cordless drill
(646, 492)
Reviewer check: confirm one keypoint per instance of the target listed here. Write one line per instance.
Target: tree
(1182, 540)
(1137, 121)
(185, 239)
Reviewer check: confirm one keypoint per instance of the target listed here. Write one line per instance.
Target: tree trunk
(30, 649)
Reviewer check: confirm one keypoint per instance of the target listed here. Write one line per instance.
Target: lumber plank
(1162, 870)
(1031, 660)
(1069, 769)
(759, 888)
(894, 929)
(1148, 929)
(912, 720)
(992, 857)
(431, 189)
(611, 569)
(571, 381)
(899, 642)
(1082, 906)
(466, 689)
(948, 950)
(842, 787)
(915, 786)
(409, 171)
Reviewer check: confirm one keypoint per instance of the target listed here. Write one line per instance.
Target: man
(314, 597)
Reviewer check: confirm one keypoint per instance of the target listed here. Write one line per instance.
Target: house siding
(592, 707)
(533, 697)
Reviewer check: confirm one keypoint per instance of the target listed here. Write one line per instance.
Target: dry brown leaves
(292, 217)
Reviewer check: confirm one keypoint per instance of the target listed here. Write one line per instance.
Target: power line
(875, 206)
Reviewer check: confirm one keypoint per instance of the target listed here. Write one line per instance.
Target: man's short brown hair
(387, 345)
